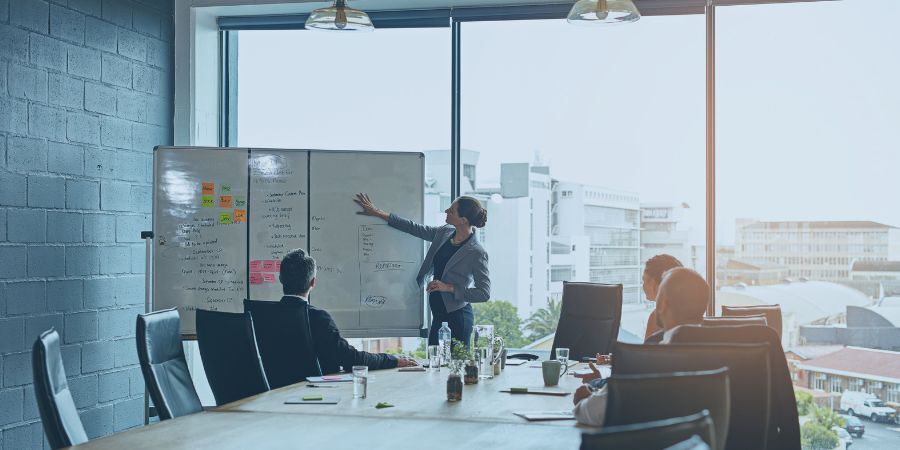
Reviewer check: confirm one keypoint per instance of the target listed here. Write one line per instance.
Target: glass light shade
(339, 17)
(590, 12)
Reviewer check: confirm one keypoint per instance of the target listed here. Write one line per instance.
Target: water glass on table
(434, 357)
(562, 354)
(360, 381)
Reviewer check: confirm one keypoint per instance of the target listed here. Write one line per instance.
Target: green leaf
(382, 405)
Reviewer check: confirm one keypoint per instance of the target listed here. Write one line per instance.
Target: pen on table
(318, 386)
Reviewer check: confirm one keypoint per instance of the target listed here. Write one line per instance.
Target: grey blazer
(468, 266)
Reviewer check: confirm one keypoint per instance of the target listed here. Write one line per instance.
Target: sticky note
(240, 202)
(256, 278)
(278, 266)
(268, 265)
(225, 201)
(207, 201)
(225, 189)
(255, 265)
(209, 188)
(307, 398)
(225, 218)
(240, 215)
(268, 277)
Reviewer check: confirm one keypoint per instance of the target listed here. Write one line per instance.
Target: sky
(808, 104)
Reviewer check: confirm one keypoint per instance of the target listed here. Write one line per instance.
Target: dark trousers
(460, 322)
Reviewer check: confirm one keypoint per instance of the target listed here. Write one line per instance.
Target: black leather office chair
(589, 319)
(646, 398)
(694, 443)
(230, 356)
(60, 419)
(656, 435)
(165, 369)
(772, 313)
(285, 342)
(784, 425)
(748, 373)
(721, 321)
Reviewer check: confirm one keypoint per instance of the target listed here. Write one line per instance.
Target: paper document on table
(545, 415)
(312, 400)
(516, 362)
(331, 379)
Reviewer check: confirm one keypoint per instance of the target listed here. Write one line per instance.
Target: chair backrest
(60, 419)
(285, 341)
(589, 319)
(748, 379)
(230, 356)
(694, 443)
(772, 313)
(645, 398)
(165, 369)
(656, 435)
(784, 425)
(721, 321)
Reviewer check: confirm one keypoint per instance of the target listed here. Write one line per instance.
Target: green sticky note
(382, 405)
(519, 390)
(225, 189)
(308, 398)
(240, 202)
(225, 218)
(207, 201)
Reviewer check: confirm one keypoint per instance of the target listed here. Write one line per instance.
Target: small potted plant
(458, 356)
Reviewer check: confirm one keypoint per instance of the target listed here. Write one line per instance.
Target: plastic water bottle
(444, 342)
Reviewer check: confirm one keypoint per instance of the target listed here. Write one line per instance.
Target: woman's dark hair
(297, 271)
(471, 209)
(659, 264)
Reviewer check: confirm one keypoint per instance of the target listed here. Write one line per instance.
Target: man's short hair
(685, 293)
(297, 272)
(659, 264)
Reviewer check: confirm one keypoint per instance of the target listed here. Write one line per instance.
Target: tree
(504, 317)
(814, 436)
(543, 321)
(827, 418)
(804, 402)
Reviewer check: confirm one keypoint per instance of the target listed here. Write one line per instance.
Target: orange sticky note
(240, 216)
(209, 188)
(225, 201)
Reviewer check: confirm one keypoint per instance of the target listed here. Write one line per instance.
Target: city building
(875, 327)
(661, 233)
(750, 272)
(854, 369)
(884, 276)
(817, 250)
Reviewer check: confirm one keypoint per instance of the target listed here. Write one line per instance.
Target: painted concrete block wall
(85, 94)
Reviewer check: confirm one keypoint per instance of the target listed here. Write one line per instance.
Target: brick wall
(85, 94)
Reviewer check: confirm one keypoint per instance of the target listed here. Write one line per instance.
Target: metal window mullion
(455, 134)
(710, 15)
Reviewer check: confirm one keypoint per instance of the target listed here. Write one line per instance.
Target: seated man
(298, 277)
(682, 299)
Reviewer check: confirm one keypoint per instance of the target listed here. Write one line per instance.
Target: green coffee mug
(552, 370)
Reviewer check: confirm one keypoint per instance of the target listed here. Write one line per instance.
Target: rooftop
(829, 224)
(804, 303)
(882, 365)
(876, 266)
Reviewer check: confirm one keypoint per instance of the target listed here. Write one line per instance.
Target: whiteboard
(275, 201)
(200, 231)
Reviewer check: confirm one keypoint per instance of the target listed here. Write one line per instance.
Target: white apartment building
(818, 250)
(610, 219)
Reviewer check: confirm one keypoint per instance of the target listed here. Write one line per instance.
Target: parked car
(867, 405)
(845, 440)
(853, 425)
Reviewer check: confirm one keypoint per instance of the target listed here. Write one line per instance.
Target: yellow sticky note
(224, 201)
(208, 201)
(209, 188)
(225, 218)
(240, 215)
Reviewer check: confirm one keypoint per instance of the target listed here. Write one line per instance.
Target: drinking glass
(562, 354)
(486, 363)
(360, 381)
(434, 357)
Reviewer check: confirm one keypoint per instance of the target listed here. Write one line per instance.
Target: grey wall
(85, 94)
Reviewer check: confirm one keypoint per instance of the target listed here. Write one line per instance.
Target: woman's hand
(439, 286)
(581, 393)
(369, 208)
(406, 362)
(595, 373)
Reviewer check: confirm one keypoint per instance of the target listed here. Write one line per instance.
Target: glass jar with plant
(458, 356)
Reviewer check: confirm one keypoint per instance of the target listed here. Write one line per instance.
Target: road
(878, 436)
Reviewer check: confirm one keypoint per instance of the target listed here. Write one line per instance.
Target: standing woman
(456, 259)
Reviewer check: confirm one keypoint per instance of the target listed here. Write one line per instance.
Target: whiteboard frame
(422, 331)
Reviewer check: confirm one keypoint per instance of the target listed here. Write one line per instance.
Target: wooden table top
(421, 417)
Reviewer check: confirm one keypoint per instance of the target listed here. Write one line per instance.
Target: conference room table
(421, 417)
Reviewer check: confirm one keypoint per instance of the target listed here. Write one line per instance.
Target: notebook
(516, 362)
(545, 415)
(312, 400)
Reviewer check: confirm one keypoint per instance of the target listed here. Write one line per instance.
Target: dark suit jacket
(333, 351)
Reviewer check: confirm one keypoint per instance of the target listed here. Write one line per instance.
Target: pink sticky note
(255, 265)
(256, 278)
(268, 277)
(268, 265)
(278, 266)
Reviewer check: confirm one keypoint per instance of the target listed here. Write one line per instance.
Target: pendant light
(590, 12)
(339, 17)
